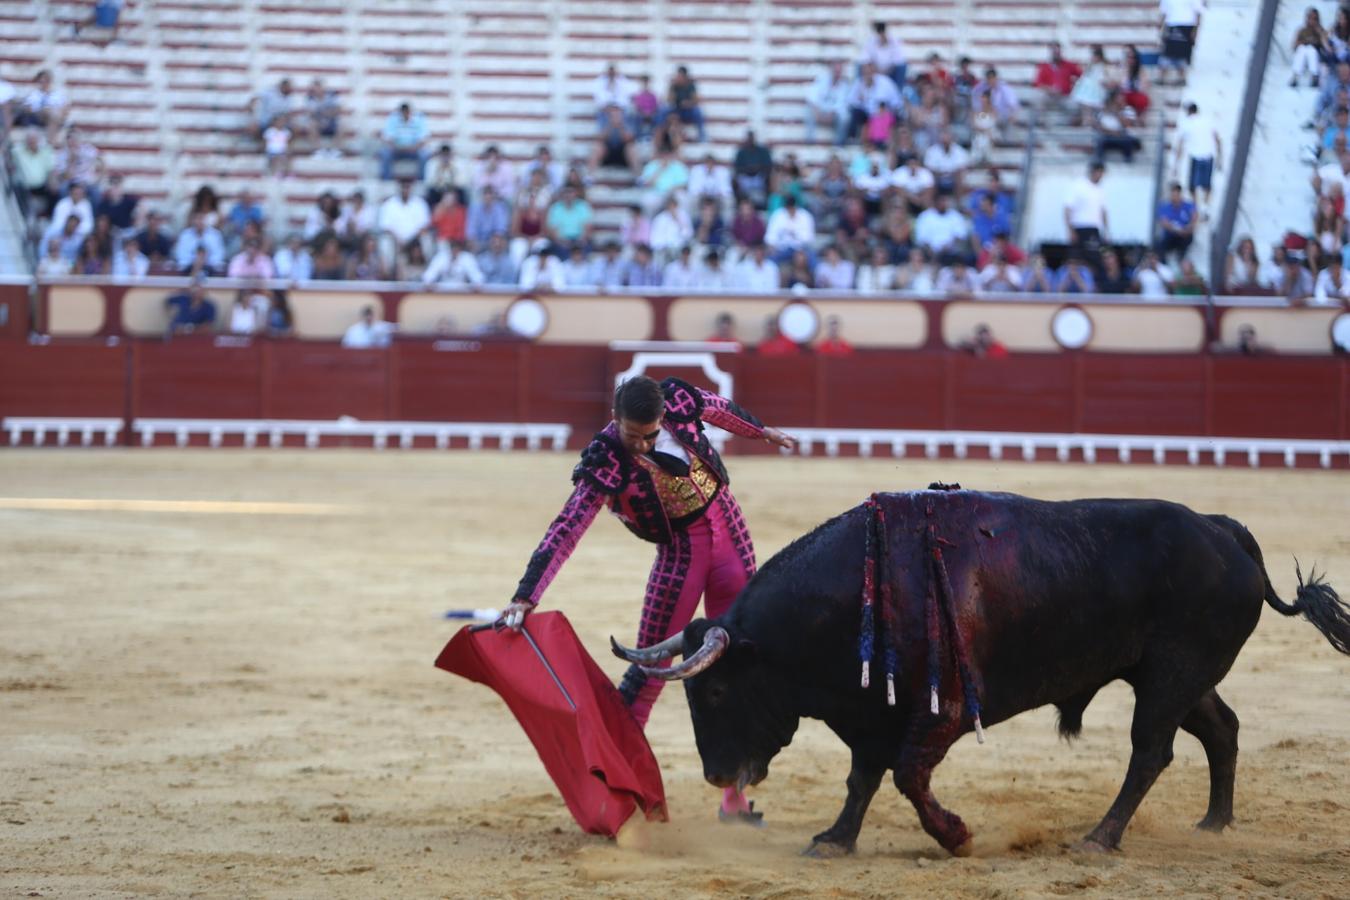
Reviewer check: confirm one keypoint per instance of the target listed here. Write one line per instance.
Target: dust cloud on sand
(242, 702)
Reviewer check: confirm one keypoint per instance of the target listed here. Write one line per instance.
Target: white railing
(62, 428)
(275, 431)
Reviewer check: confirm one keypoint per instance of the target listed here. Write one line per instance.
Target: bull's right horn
(653, 654)
(714, 645)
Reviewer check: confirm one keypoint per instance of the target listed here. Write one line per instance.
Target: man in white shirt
(1333, 288)
(941, 228)
(790, 229)
(453, 266)
(76, 204)
(868, 93)
(1333, 178)
(541, 270)
(710, 179)
(834, 272)
(1199, 140)
(1180, 19)
(948, 161)
(886, 52)
(671, 229)
(915, 184)
(404, 216)
(367, 332)
(1085, 215)
(1153, 278)
(610, 89)
(681, 273)
(759, 274)
(713, 277)
(827, 104)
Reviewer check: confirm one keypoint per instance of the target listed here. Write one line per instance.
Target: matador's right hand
(513, 616)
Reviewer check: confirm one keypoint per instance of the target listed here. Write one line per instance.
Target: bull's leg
(841, 837)
(1216, 726)
(923, 749)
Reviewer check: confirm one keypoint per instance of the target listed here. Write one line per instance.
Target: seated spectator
(681, 273)
(1134, 86)
(368, 332)
(827, 104)
(709, 230)
(1332, 179)
(750, 171)
(671, 230)
(273, 104)
(277, 146)
(983, 128)
(155, 243)
(527, 223)
(119, 206)
(915, 184)
(76, 204)
(89, 259)
(404, 216)
(319, 119)
(635, 228)
(985, 345)
(886, 53)
(877, 131)
(1113, 133)
(495, 262)
(757, 274)
(1055, 79)
(834, 272)
(553, 172)
(790, 229)
(1176, 224)
(663, 176)
(614, 144)
(1153, 280)
(644, 110)
(1328, 229)
(1332, 287)
(1189, 283)
(710, 179)
(1242, 267)
(642, 270)
(915, 273)
(541, 270)
(834, 343)
(1270, 276)
(1002, 98)
(1002, 247)
(1000, 276)
(989, 221)
(724, 330)
(130, 264)
(1113, 279)
(493, 171)
(877, 275)
(1093, 86)
(453, 266)
(410, 262)
(1075, 277)
(198, 235)
(189, 311)
(956, 276)
(570, 222)
(441, 174)
(609, 269)
(248, 312)
(774, 342)
(869, 92)
(927, 118)
(747, 228)
(403, 141)
(34, 172)
(1337, 131)
(683, 102)
(80, 161)
(54, 262)
(246, 210)
(872, 184)
(490, 215)
(713, 276)
(251, 262)
(1329, 97)
(948, 161)
(44, 106)
(293, 261)
(356, 220)
(610, 89)
(1038, 277)
(366, 263)
(323, 216)
(942, 228)
(280, 322)
(329, 262)
(895, 230)
(1311, 41)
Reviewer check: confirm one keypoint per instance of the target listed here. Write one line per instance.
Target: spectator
(55, 262)
(441, 174)
(1134, 86)
(724, 330)
(834, 343)
(495, 262)
(1333, 178)
(948, 161)
(614, 144)
(246, 209)
(251, 262)
(645, 112)
(1310, 42)
(872, 184)
(635, 228)
(366, 263)
(747, 228)
(248, 312)
(1176, 224)
(34, 171)
(77, 204)
(410, 263)
(293, 261)
(1002, 98)
(356, 220)
(915, 273)
(1055, 78)
(609, 269)
(1328, 229)
(104, 16)
(80, 161)
(1241, 267)
(610, 89)
(774, 342)
(834, 272)
(1092, 87)
(90, 259)
(1085, 215)
(1198, 139)
(915, 184)
(1074, 277)
(404, 216)
(941, 228)
(527, 223)
(710, 179)
(750, 171)
(1038, 278)
(985, 345)
(8, 93)
(999, 276)
(1181, 18)
(492, 171)
(1246, 342)
(453, 266)
(886, 53)
(1330, 96)
(663, 176)
(671, 229)
(1332, 287)
(1113, 280)
(877, 132)
(757, 273)
(277, 146)
(790, 229)
(681, 273)
(570, 221)
(955, 276)
(683, 101)
(323, 216)
(1270, 276)
(1112, 131)
(403, 140)
(831, 187)
(273, 104)
(118, 206)
(1190, 283)
(1003, 247)
(489, 216)
(367, 332)
(1337, 134)
(44, 106)
(190, 311)
(156, 245)
(989, 221)
(576, 269)
(329, 263)
(877, 275)
(896, 231)
(709, 230)
(199, 235)
(319, 121)
(928, 117)
(827, 104)
(543, 162)
(1153, 280)
(280, 322)
(983, 127)
(869, 92)
(713, 276)
(541, 270)
(642, 271)
(130, 264)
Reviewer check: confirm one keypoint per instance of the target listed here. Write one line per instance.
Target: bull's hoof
(965, 848)
(827, 850)
(1216, 826)
(1092, 845)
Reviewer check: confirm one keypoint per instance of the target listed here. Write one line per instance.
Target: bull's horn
(714, 645)
(653, 654)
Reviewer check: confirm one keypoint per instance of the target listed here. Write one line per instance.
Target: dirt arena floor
(216, 680)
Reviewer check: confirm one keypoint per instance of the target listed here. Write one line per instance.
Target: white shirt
(65, 208)
(759, 278)
(913, 181)
(249, 318)
(276, 139)
(671, 231)
(710, 182)
(134, 267)
(937, 230)
(828, 95)
(1197, 136)
(946, 161)
(678, 275)
(667, 444)
(873, 184)
(838, 276)
(355, 221)
(788, 230)
(869, 97)
(449, 267)
(612, 93)
(874, 279)
(1332, 175)
(884, 54)
(1181, 12)
(1086, 205)
(1154, 284)
(404, 220)
(1328, 292)
(361, 335)
(542, 271)
(1009, 278)
(718, 279)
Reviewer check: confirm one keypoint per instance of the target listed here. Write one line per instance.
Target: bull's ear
(746, 649)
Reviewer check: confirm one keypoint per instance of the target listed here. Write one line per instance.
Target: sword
(537, 652)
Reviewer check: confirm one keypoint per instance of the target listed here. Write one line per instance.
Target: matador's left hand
(782, 439)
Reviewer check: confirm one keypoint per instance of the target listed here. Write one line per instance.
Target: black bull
(1053, 600)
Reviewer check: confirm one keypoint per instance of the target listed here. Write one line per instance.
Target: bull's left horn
(655, 653)
(714, 645)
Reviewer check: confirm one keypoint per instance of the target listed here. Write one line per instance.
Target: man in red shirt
(775, 343)
(1010, 252)
(1055, 78)
(986, 345)
(834, 344)
(724, 330)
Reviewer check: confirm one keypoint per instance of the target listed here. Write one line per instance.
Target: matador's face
(638, 437)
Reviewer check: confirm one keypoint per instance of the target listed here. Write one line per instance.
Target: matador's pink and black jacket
(608, 474)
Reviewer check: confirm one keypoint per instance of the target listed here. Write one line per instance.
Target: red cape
(596, 754)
